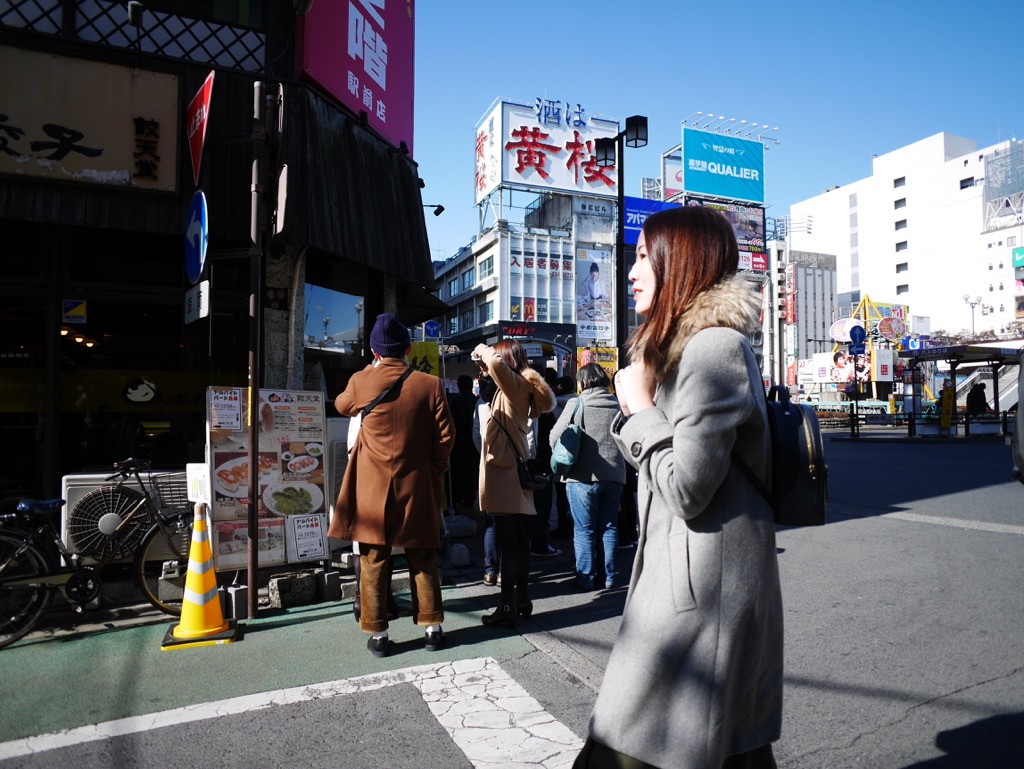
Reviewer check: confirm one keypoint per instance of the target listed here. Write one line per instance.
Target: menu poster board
(290, 467)
(307, 537)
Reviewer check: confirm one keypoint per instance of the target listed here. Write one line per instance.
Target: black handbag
(530, 478)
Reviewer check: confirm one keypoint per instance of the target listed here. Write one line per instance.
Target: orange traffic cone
(202, 620)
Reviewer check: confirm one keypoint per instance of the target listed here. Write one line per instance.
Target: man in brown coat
(396, 464)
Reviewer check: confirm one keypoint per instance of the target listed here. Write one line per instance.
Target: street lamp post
(609, 152)
(973, 303)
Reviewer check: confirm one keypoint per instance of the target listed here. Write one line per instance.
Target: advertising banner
(73, 120)
(825, 368)
(290, 463)
(748, 226)
(790, 294)
(362, 54)
(1018, 257)
(637, 211)
(882, 366)
(606, 357)
(547, 145)
(722, 166)
(841, 368)
(593, 295)
(671, 176)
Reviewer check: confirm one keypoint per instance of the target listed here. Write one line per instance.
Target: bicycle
(108, 524)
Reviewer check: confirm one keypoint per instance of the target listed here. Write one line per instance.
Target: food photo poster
(290, 466)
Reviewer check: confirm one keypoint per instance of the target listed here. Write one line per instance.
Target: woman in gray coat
(595, 482)
(694, 680)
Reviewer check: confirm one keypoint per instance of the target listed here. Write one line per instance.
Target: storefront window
(334, 321)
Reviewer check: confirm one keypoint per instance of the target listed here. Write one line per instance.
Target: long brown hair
(690, 249)
(512, 353)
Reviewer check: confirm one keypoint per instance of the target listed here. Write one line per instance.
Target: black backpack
(799, 482)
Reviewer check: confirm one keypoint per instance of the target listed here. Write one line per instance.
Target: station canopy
(963, 354)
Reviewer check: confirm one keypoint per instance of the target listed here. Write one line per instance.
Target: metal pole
(263, 121)
(621, 302)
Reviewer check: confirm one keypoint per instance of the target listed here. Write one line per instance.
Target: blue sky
(842, 81)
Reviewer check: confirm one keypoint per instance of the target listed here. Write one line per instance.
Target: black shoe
(524, 610)
(356, 608)
(433, 640)
(549, 552)
(503, 616)
(379, 647)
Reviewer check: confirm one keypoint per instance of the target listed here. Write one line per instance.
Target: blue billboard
(723, 166)
(637, 211)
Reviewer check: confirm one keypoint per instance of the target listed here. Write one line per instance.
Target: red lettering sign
(195, 123)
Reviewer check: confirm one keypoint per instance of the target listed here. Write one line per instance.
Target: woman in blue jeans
(595, 482)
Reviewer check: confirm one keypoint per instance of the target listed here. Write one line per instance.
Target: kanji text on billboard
(546, 145)
(362, 53)
(723, 166)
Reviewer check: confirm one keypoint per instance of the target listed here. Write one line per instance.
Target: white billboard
(547, 145)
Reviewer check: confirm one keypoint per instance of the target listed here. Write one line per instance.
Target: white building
(936, 220)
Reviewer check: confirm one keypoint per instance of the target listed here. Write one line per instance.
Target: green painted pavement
(62, 682)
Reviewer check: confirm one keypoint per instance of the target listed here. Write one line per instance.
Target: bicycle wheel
(106, 502)
(21, 605)
(161, 563)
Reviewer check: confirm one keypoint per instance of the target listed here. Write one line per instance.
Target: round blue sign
(857, 334)
(195, 237)
(431, 329)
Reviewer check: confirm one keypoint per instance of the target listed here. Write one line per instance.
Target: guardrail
(962, 424)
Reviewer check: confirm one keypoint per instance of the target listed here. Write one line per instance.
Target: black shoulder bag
(370, 406)
(529, 478)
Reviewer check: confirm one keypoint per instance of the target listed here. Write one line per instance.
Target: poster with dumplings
(290, 473)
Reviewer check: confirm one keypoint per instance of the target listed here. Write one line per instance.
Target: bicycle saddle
(40, 506)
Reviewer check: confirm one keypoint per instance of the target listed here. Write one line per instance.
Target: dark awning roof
(416, 305)
(964, 353)
(351, 194)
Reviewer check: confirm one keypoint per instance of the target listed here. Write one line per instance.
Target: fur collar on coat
(543, 395)
(733, 302)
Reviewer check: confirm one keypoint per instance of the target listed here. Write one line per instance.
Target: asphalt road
(904, 650)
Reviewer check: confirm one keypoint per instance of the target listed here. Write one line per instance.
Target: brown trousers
(427, 608)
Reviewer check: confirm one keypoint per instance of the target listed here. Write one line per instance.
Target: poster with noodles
(290, 473)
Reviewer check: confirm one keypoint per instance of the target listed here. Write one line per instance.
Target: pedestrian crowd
(646, 459)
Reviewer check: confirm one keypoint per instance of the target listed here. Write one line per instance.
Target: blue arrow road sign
(195, 237)
(857, 335)
(856, 348)
(431, 329)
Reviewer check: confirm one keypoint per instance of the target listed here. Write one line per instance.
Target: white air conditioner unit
(72, 489)
(169, 490)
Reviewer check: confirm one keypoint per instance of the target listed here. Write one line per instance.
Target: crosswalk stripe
(489, 716)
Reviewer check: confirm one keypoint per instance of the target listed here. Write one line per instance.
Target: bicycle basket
(171, 492)
(84, 522)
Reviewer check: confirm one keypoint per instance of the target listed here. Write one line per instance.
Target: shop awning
(416, 305)
(963, 354)
(351, 194)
